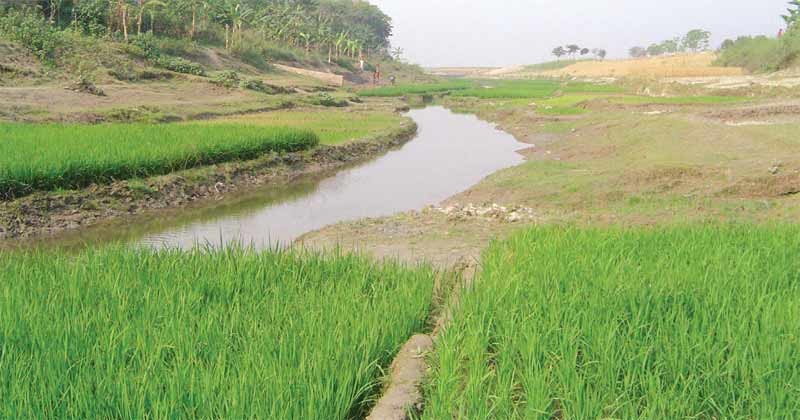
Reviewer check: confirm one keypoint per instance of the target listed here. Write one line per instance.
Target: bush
(752, 53)
(228, 78)
(154, 49)
(324, 99)
(259, 86)
(762, 53)
(33, 32)
(180, 65)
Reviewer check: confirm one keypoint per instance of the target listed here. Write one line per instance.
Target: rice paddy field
(331, 126)
(416, 89)
(122, 333)
(696, 322)
(510, 89)
(46, 157)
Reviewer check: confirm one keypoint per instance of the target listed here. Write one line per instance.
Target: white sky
(438, 33)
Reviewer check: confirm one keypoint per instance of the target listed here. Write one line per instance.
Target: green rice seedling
(588, 87)
(511, 89)
(333, 126)
(51, 156)
(121, 333)
(416, 89)
(696, 322)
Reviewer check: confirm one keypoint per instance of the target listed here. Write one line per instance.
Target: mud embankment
(51, 212)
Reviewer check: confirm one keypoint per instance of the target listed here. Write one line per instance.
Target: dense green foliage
(680, 322)
(340, 27)
(41, 39)
(53, 156)
(120, 333)
(762, 53)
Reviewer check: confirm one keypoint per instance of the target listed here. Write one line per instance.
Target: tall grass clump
(417, 89)
(53, 156)
(676, 322)
(120, 333)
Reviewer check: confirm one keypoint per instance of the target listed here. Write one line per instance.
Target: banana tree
(196, 6)
(151, 7)
(340, 42)
(306, 37)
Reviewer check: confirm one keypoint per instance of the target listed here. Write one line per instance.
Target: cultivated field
(54, 156)
(687, 322)
(332, 126)
(683, 65)
(205, 334)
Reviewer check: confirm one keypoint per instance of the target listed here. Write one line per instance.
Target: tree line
(573, 50)
(333, 27)
(694, 40)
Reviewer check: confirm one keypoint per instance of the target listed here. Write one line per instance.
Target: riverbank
(48, 213)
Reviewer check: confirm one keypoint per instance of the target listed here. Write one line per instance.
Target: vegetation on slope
(686, 322)
(53, 156)
(201, 334)
(761, 53)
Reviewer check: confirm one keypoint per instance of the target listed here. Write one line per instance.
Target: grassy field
(332, 126)
(684, 322)
(684, 65)
(52, 156)
(510, 89)
(117, 333)
(416, 89)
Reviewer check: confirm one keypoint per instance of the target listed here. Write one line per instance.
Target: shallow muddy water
(450, 153)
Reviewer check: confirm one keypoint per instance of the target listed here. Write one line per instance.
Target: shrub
(324, 99)
(762, 53)
(346, 64)
(180, 65)
(228, 78)
(752, 53)
(259, 86)
(33, 32)
(154, 49)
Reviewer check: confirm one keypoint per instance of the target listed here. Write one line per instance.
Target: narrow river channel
(451, 153)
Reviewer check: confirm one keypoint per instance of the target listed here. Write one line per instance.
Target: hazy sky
(507, 32)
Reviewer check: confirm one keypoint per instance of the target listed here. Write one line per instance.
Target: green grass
(331, 126)
(52, 156)
(510, 89)
(416, 89)
(587, 87)
(671, 322)
(120, 333)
